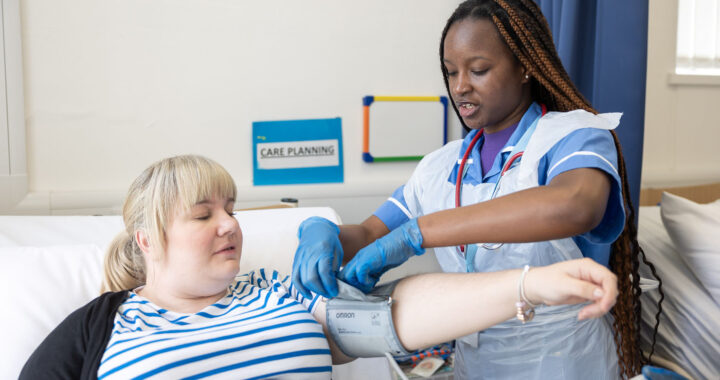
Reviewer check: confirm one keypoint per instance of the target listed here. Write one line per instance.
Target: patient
(176, 306)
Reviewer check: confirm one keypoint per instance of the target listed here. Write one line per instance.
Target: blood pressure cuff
(361, 324)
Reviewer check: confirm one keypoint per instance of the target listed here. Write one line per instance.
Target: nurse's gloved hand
(391, 250)
(317, 258)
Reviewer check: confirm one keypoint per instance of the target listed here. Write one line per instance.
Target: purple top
(492, 145)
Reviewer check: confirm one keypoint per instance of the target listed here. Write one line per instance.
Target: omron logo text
(344, 315)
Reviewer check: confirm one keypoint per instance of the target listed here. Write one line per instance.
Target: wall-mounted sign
(297, 151)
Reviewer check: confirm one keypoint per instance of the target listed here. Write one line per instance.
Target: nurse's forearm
(434, 308)
(572, 204)
(353, 237)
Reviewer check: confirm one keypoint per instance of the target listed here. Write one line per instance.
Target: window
(698, 37)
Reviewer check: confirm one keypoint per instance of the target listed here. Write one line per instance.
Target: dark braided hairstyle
(523, 28)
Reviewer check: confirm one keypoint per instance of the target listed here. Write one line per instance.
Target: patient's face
(203, 248)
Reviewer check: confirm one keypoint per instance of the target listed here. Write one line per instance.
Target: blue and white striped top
(261, 329)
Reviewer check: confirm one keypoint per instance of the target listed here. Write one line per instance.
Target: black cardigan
(74, 349)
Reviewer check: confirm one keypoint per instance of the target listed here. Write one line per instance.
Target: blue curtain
(603, 46)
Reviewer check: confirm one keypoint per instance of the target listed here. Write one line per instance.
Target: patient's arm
(433, 308)
(437, 307)
(338, 357)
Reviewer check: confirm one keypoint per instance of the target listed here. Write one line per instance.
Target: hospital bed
(51, 265)
(680, 234)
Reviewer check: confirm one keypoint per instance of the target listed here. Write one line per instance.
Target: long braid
(526, 32)
(552, 73)
(619, 264)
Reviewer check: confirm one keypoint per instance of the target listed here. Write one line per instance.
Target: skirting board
(13, 191)
(360, 199)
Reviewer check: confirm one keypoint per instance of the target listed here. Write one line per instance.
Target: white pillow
(270, 236)
(695, 231)
(39, 287)
(42, 231)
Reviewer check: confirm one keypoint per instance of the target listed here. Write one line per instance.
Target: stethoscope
(462, 171)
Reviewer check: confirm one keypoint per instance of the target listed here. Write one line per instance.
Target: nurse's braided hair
(526, 32)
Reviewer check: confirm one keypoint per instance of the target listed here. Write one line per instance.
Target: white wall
(682, 121)
(111, 86)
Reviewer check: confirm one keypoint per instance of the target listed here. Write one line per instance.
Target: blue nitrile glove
(317, 258)
(391, 250)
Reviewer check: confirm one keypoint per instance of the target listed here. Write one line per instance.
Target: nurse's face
(487, 83)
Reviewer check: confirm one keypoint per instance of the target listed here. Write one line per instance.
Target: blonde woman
(176, 306)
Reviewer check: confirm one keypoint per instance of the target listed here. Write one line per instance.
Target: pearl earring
(527, 76)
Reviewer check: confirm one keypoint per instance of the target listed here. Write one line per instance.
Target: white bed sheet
(688, 340)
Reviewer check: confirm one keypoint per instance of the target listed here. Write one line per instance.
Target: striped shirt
(261, 329)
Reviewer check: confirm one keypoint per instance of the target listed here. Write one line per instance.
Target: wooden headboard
(700, 193)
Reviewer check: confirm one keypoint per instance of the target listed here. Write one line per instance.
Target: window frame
(687, 74)
(13, 153)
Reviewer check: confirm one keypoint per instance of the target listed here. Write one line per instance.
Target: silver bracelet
(525, 308)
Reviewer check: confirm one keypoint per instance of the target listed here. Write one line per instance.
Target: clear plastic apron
(554, 344)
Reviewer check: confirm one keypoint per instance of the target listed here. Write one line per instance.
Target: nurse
(539, 179)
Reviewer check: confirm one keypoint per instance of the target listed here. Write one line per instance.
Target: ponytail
(124, 266)
(169, 185)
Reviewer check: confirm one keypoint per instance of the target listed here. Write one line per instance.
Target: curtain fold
(603, 45)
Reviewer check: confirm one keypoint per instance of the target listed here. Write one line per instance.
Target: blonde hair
(169, 185)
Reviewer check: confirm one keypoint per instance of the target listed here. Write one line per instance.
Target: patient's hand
(573, 282)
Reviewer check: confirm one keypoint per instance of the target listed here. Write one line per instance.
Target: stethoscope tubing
(461, 175)
(462, 171)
